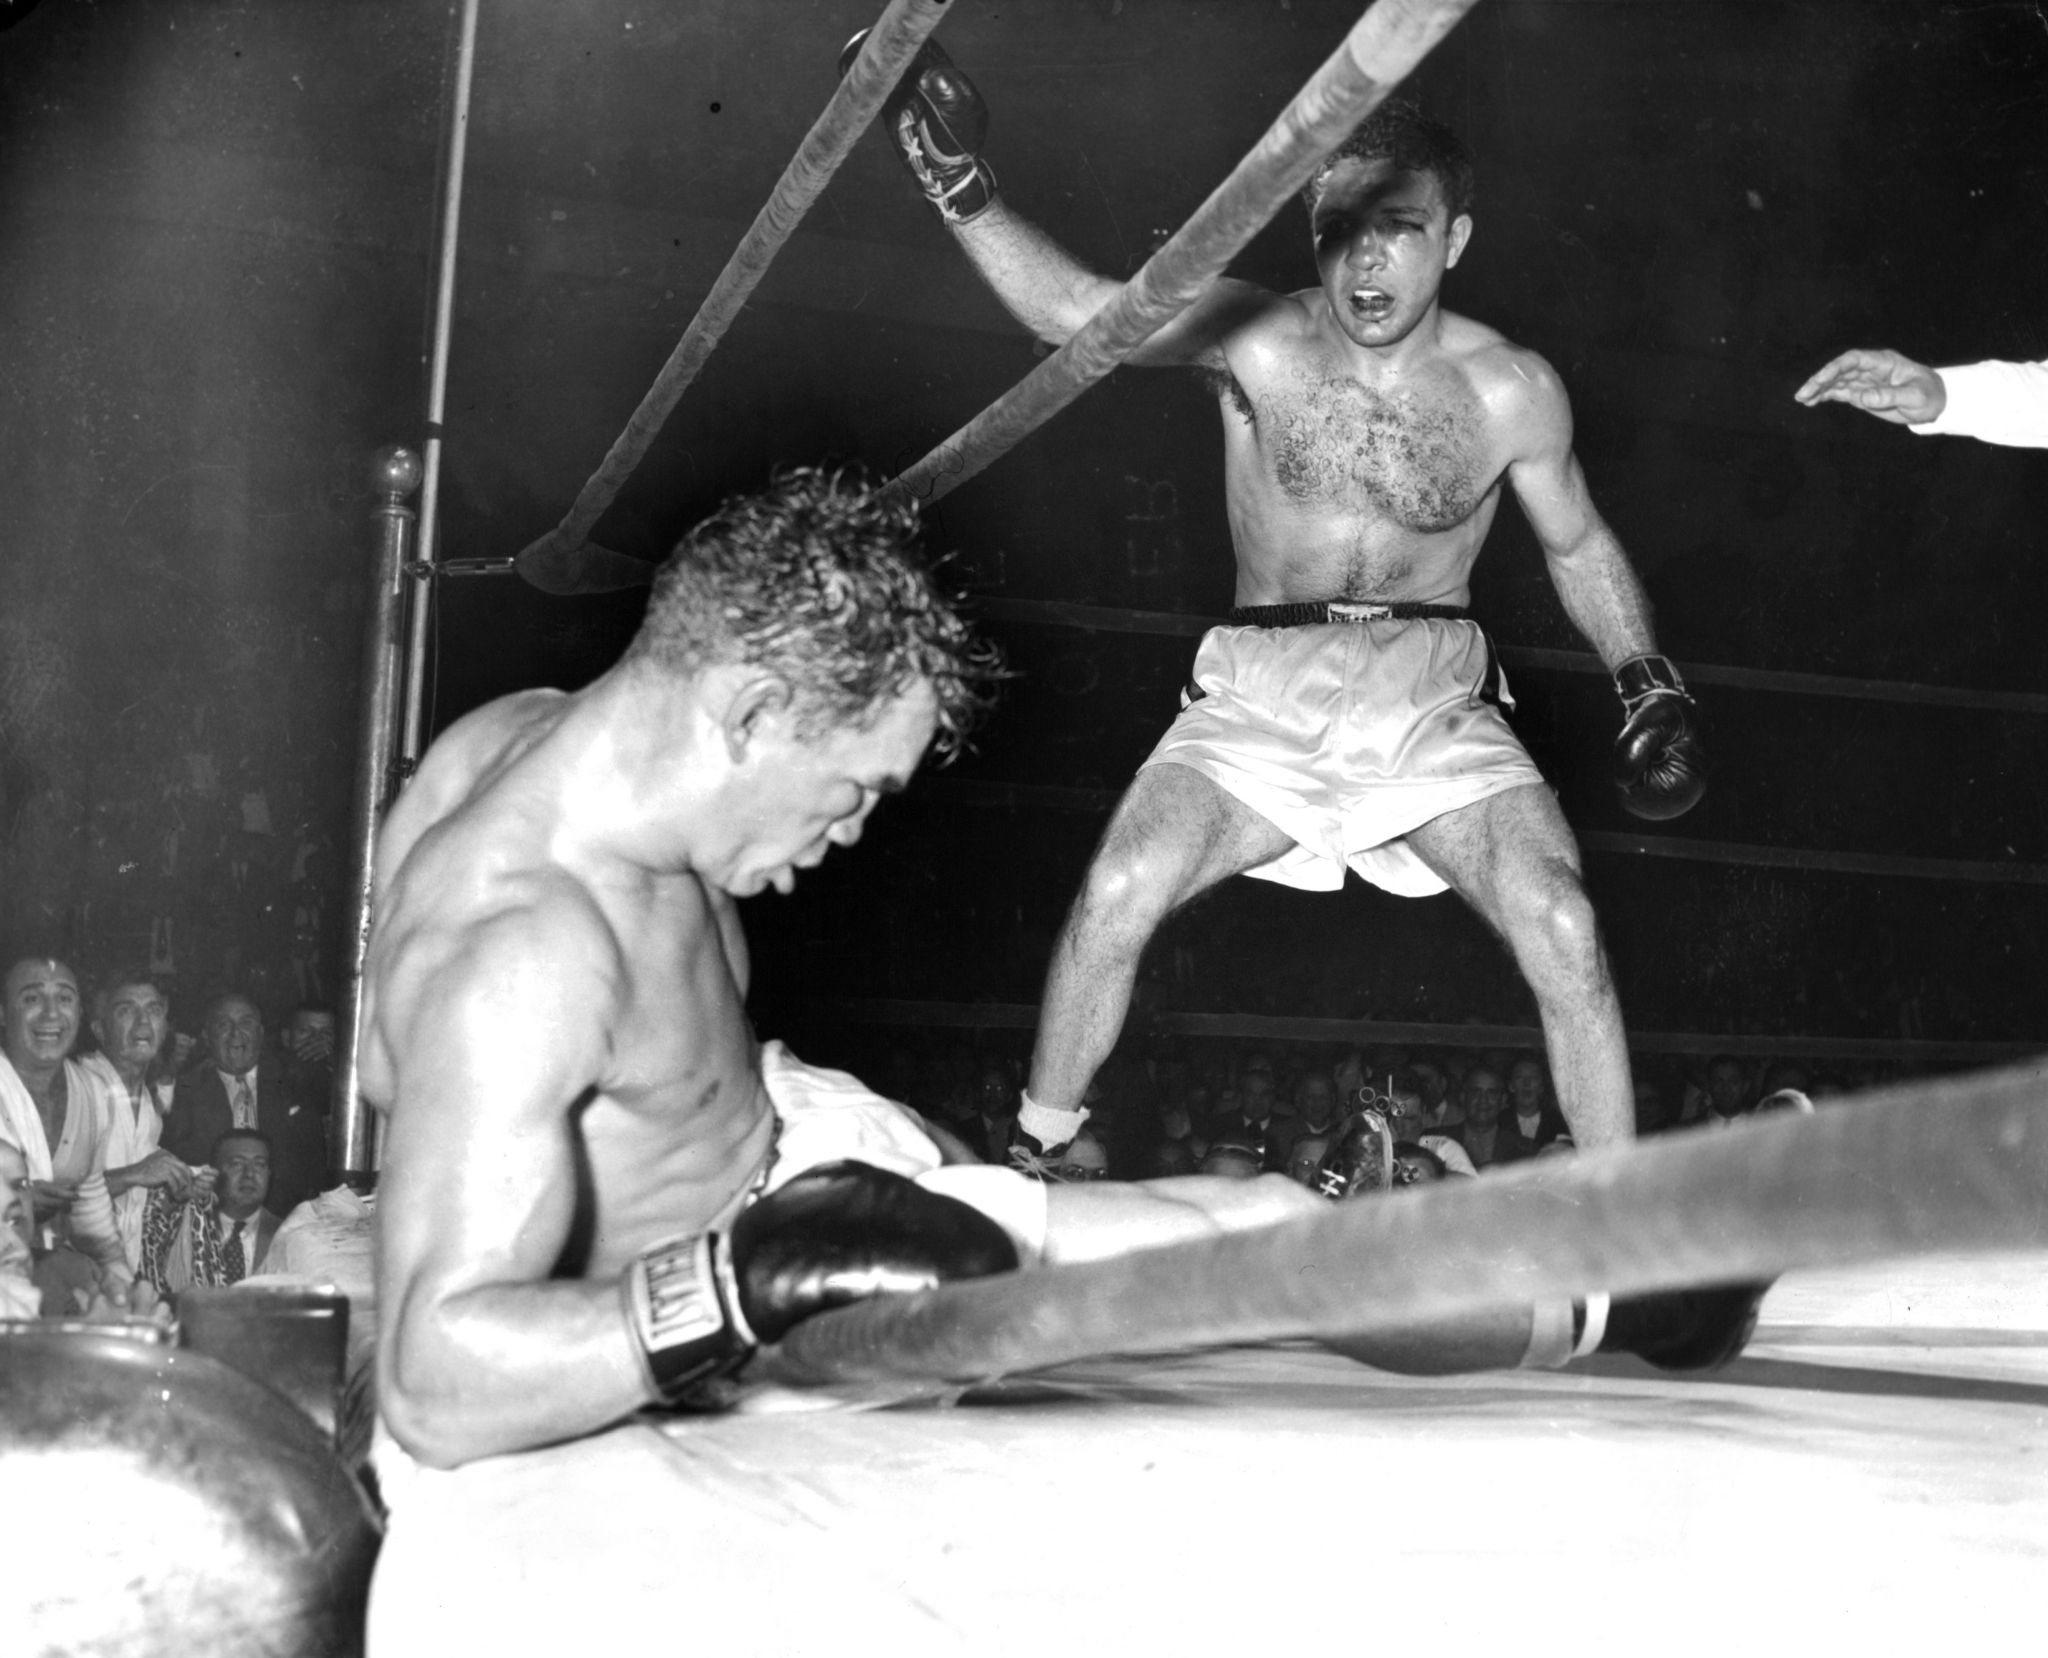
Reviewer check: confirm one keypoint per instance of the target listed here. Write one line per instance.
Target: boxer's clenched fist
(937, 121)
(698, 1307)
(1659, 765)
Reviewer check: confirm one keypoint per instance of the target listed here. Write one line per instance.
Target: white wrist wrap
(1051, 1129)
(683, 1309)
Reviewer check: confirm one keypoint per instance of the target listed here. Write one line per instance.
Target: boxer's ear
(1459, 237)
(760, 702)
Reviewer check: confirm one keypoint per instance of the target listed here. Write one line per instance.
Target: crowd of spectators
(137, 1162)
(1235, 1109)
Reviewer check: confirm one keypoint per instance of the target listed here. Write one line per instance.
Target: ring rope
(1066, 797)
(1177, 624)
(563, 561)
(1383, 47)
(1952, 1165)
(1289, 1027)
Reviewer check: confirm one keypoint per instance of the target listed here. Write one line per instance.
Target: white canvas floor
(1872, 1475)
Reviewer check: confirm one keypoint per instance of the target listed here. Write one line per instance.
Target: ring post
(396, 473)
(1383, 48)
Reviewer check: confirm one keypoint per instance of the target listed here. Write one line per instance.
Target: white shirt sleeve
(1996, 402)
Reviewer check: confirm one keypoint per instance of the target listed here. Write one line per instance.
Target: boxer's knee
(1129, 889)
(1550, 921)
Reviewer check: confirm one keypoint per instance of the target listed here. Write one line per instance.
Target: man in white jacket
(2003, 403)
(131, 1019)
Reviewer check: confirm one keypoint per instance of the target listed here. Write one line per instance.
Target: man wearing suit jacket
(217, 1236)
(232, 1086)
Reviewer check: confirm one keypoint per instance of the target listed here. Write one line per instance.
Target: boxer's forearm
(1042, 285)
(1603, 596)
(506, 1367)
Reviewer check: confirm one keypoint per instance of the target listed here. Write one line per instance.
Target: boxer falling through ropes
(1350, 714)
(599, 1190)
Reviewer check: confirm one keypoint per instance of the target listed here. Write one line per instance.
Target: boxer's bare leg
(1512, 857)
(1095, 1221)
(1174, 835)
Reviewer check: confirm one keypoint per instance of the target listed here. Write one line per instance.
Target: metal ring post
(396, 474)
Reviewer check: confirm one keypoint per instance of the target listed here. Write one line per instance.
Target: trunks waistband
(1342, 610)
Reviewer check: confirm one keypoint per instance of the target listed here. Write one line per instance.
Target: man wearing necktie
(218, 1237)
(243, 1159)
(234, 1085)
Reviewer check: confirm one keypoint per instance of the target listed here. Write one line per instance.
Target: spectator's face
(42, 1012)
(1305, 1158)
(992, 1094)
(1315, 1098)
(1231, 1164)
(1350, 1078)
(1484, 1095)
(1526, 1086)
(1083, 1160)
(244, 1177)
(134, 1025)
(1256, 1087)
(14, 1198)
(234, 1036)
(1724, 1088)
(1404, 1112)
(310, 1035)
(1431, 1081)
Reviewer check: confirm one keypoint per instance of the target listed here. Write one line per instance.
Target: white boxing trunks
(1347, 735)
(826, 1115)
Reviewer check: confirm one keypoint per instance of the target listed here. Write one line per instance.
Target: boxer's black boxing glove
(699, 1306)
(1659, 766)
(937, 121)
(1360, 1160)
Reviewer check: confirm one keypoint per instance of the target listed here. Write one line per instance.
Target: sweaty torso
(671, 1121)
(1350, 483)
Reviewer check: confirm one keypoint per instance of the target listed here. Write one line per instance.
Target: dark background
(216, 233)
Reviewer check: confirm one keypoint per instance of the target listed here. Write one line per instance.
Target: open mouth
(1369, 304)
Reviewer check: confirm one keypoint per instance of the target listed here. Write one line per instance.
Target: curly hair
(1414, 142)
(818, 579)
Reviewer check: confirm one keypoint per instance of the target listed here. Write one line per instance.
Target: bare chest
(1416, 457)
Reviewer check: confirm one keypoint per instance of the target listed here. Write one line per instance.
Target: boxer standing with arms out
(580, 1117)
(1350, 716)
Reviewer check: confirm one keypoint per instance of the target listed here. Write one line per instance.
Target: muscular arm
(479, 1352)
(1052, 293)
(1592, 574)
